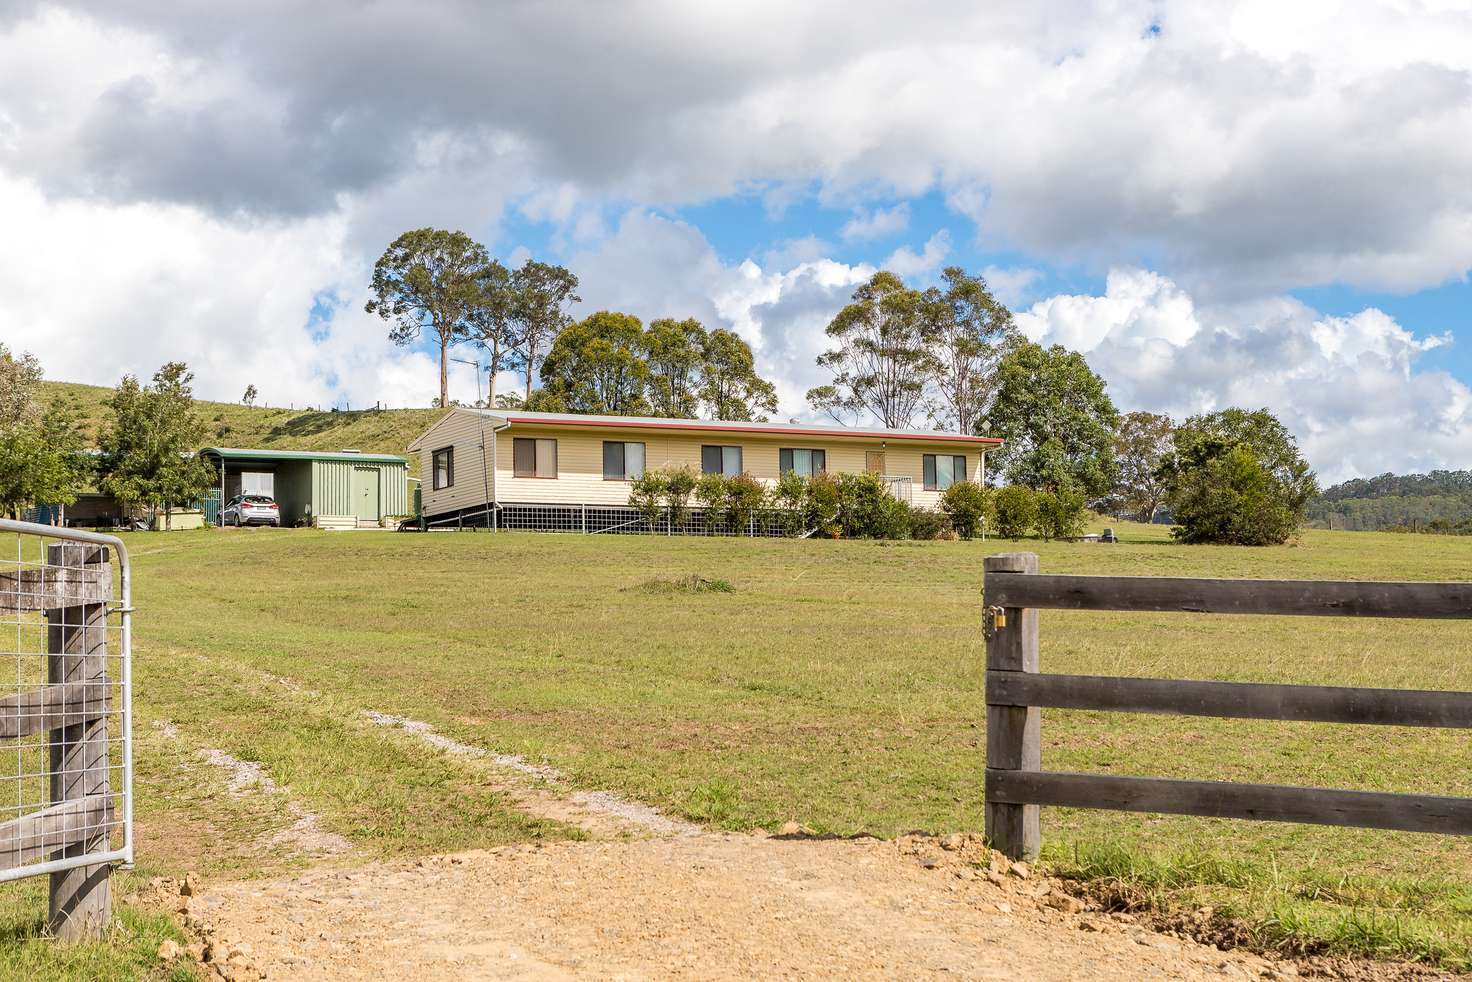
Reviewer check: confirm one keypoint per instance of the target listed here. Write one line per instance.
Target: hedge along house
(345, 489)
(514, 469)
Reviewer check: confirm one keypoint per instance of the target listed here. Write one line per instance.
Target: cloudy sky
(1257, 204)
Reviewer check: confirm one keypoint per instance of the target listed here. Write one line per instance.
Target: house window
(805, 462)
(720, 460)
(622, 461)
(444, 468)
(943, 470)
(533, 458)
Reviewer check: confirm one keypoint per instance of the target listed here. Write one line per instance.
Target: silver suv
(251, 509)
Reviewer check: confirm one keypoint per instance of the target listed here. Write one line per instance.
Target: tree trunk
(531, 358)
(491, 381)
(444, 372)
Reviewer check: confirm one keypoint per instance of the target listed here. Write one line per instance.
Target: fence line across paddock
(66, 751)
(1017, 689)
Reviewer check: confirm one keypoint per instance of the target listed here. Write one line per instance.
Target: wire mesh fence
(65, 701)
(616, 520)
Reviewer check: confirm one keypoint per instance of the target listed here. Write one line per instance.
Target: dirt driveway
(693, 906)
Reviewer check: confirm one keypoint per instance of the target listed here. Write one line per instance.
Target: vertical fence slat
(81, 898)
(1013, 737)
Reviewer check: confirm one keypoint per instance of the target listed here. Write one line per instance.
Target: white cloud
(1348, 387)
(881, 223)
(1010, 284)
(906, 262)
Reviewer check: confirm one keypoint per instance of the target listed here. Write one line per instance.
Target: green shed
(343, 489)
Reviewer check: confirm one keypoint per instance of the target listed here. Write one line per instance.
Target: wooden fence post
(1013, 738)
(81, 898)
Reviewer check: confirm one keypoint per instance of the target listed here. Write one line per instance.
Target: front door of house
(874, 461)
(365, 493)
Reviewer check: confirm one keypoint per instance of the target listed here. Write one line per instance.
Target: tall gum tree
(880, 363)
(429, 280)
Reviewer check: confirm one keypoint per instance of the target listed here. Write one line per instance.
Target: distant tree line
(1437, 502)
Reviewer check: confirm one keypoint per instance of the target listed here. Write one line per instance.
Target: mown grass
(129, 951)
(839, 684)
(274, 427)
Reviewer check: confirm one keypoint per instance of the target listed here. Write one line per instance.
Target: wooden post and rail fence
(1017, 690)
(61, 729)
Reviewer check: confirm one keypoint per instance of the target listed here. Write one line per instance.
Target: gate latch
(993, 619)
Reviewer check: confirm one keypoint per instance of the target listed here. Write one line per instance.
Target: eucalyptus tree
(429, 279)
(965, 330)
(730, 387)
(674, 351)
(880, 362)
(542, 293)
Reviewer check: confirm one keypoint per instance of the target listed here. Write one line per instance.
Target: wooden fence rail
(1016, 691)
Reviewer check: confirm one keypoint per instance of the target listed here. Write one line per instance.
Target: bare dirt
(707, 906)
(653, 897)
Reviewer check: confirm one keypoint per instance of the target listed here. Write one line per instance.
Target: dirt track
(707, 906)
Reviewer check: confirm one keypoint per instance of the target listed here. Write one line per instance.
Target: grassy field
(235, 425)
(835, 683)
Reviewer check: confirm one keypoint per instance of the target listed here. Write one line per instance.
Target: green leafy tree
(491, 324)
(149, 447)
(966, 330)
(729, 385)
(597, 366)
(429, 279)
(1016, 508)
(1236, 477)
(1056, 418)
(543, 293)
(249, 399)
(967, 505)
(44, 463)
(1140, 445)
(880, 363)
(675, 350)
(20, 380)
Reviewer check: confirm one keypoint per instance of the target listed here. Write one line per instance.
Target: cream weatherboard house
(554, 470)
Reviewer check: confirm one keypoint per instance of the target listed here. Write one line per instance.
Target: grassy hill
(234, 425)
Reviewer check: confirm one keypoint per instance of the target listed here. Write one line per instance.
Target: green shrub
(646, 496)
(745, 498)
(679, 484)
(866, 509)
(926, 524)
(788, 502)
(1061, 513)
(967, 505)
(823, 506)
(1016, 510)
(1232, 498)
(710, 491)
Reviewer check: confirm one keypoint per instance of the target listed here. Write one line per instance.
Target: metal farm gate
(66, 752)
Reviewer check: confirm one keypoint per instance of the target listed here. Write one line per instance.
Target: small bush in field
(866, 509)
(1016, 510)
(967, 505)
(822, 506)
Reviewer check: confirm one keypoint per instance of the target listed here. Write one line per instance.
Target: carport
(342, 489)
